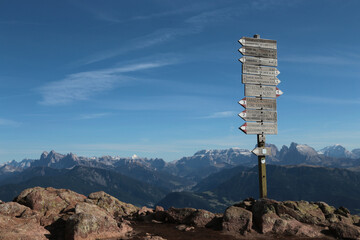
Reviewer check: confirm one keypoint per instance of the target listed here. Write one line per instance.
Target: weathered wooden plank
(257, 42)
(258, 115)
(260, 79)
(258, 70)
(258, 52)
(257, 103)
(259, 128)
(259, 61)
(260, 91)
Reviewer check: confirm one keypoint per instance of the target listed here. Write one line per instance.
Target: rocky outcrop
(48, 213)
(291, 218)
(237, 219)
(111, 205)
(189, 216)
(21, 228)
(49, 202)
(19, 222)
(92, 222)
(44, 213)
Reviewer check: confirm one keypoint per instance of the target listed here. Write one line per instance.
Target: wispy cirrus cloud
(93, 116)
(154, 38)
(224, 114)
(191, 25)
(83, 85)
(206, 15)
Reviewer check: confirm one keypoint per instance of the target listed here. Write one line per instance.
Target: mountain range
(210, 179)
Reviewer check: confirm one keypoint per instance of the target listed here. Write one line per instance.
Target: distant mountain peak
(44, 154)
(337, 151)
(233, 150)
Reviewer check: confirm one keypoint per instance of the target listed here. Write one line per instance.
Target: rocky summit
(49, 213)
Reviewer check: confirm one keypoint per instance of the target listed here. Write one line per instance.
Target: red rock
(238, 220)
(302, 211)
(49, 202)
(93, 222)
(111, 204)
(15, 209)
(145, 211)
(159, 209)
(293, 227)
(199, 218)
(264, 215)
(12, 228)
(345, 231)
(325, 208)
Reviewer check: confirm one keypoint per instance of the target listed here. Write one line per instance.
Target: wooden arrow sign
(258, 52)
(252, 69)
(261, 151)
(257, 103)
(259, 128)
(258, 115)
(259, 61)
(260, 79)
(257, 42)
(262, 91)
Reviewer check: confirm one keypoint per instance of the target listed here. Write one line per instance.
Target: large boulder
(291, 218)
(292, 227)
(49, 202)
(302, 211)
(199, 218)
(264, 213)
(345, 231)
(112, 205)
(92, 222)
(188, 216)
(237, 220)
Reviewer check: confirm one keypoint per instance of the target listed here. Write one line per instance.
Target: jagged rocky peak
(72, 156)
(303, 149)
(44, 154)
(337, 151)
(52, 156)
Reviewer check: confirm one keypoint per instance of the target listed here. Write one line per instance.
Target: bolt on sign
(259, 76)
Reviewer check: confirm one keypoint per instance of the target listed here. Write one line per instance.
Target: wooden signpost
(259, 128)
(258, 70)
(258, 52)
(259, 76)
(259, 79)
(255, 115)
(262, 91)
(258, 103)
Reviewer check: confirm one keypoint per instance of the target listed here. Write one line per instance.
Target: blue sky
(162, 78)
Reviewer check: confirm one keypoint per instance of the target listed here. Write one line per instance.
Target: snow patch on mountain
(306, 150)
(337, 151)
